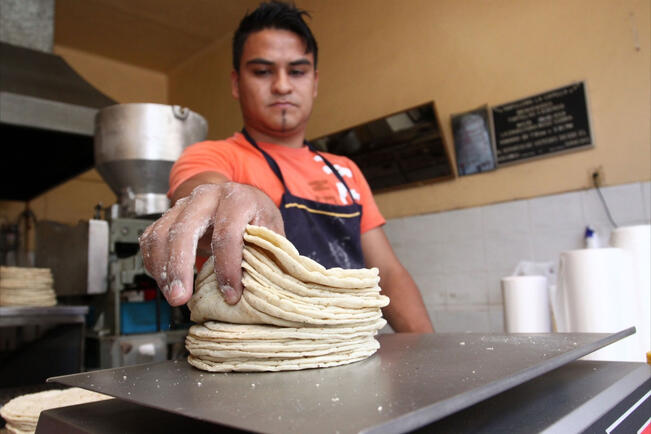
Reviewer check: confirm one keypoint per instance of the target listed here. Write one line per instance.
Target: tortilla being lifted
(294, 313)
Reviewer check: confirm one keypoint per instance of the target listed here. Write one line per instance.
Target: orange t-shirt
(305, 173)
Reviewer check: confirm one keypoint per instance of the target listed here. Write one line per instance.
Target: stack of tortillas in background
(293, 314)
(22, 413)
(26, 286)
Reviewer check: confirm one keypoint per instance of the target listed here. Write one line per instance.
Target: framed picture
(398, 150)
(473, 141)
(542, 125)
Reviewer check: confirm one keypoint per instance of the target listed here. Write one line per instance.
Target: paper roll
(636, 241)
(596, 290)
(526, 304)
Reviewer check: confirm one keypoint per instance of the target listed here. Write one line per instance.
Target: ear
(316, 84)
(235, 84)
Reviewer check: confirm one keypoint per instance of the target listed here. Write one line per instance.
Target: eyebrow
(261, 61)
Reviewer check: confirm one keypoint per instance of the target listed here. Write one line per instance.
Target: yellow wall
(124, 83)
(120, 81)
(202, 83)
(381, 56)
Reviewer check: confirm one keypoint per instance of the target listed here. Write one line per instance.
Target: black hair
(273, 15)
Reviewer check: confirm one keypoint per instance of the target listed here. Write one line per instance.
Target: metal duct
(47, 110)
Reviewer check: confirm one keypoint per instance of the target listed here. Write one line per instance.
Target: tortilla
(22, 413)
(293, 313)
(26, 286)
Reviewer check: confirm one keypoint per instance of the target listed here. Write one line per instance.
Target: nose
(281, 84)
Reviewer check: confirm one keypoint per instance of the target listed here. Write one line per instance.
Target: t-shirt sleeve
(208, 156)
(371, 216)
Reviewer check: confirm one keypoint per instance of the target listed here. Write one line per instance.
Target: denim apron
(329, 234)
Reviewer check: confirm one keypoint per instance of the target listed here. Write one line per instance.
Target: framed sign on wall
(473, 141)
(548, 123)
(395, 151)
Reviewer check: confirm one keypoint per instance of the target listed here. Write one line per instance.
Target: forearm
(406, 312)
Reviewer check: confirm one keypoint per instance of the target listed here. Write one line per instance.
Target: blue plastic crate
(140, 316)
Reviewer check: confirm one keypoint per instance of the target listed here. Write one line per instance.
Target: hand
(213, 217)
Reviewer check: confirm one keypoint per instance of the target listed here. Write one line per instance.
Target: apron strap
(272, 163)
(274, 166)
(333, 169)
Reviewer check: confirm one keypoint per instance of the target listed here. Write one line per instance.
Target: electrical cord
(595, 177)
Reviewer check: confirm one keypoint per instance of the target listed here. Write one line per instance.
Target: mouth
(282, 104)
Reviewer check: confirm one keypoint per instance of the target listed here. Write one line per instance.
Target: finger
(191, 223)
(269, 217)
(227, 244)
(154, 249)
(240, 206)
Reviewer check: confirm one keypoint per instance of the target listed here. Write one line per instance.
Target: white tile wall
(411, 231)
(508, 217)
(547, 244)
(493, 281)
(461, 319)
(464, 224)
(461, 256)
(458, 257)
(646, 198)
(433, 290)
(465, 288)
(560, 211)
(506, 250)
(496, 319)
(626, 203)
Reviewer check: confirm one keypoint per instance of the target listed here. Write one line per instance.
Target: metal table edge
(419, 418)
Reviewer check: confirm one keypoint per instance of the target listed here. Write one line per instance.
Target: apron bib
(329, 234)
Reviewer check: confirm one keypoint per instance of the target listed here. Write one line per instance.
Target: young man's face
(276, 84)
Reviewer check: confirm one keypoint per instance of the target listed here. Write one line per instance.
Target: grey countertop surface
(43, 310)
(31, 315)
(413, 380)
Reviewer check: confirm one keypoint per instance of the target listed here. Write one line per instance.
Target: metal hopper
(135, 147)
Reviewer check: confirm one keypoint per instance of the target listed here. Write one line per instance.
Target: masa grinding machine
(98, 262)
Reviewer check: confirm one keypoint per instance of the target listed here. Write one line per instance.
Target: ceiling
(155, 34)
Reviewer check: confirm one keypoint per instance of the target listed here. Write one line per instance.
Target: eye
(261, 72)
(297, 72)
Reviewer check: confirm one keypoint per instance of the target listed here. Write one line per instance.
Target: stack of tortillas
(22, 413)
(293, 314)
(26, 286)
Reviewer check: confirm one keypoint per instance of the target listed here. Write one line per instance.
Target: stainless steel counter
(582, 396)
(412, 381)
(19, 316)
(40, 342)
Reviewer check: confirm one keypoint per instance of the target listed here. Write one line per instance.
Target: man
(326, 207)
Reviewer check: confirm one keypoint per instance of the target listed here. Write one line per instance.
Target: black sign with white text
(548, 123)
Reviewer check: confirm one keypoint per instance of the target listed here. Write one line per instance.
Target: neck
(291, 140)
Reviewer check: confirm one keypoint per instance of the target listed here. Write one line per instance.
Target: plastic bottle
(591, 238)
